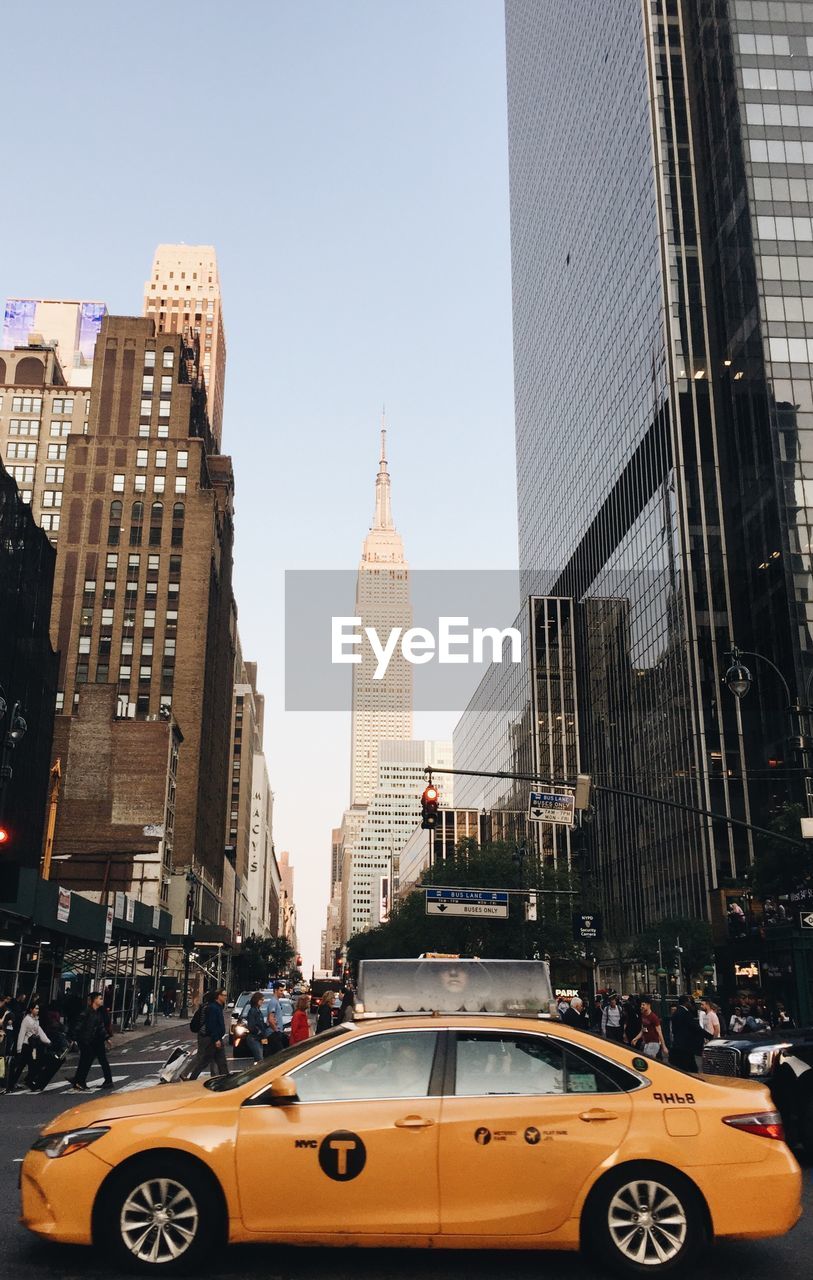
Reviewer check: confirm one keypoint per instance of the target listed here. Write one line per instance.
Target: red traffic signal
(429, 808)
(5, 835)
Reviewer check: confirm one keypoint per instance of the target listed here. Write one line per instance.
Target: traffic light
(582, 791)
(5, 836)
(429, 808)
(530, 908)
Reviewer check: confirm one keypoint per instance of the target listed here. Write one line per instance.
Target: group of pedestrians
(34, 1047)
(633, 1021)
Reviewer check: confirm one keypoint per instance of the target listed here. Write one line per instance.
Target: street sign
(587, 926)
(806, 919)
(552, 806)
(467, 902)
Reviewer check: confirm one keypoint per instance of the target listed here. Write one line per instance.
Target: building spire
(383, 511)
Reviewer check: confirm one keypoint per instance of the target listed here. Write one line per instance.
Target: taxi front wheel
(160, 1215)
(644, 1220)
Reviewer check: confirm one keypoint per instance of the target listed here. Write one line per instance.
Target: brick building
(143, 607)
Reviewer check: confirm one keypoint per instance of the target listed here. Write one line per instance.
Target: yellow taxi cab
(432, 1123)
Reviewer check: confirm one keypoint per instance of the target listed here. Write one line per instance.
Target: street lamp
(738, 679)
(188, 941)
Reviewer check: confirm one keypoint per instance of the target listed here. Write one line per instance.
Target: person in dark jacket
(324, 1018)
(687, 1036)
(575, 1016)
(213, 1034)
(256, 1027)
(92, 1035)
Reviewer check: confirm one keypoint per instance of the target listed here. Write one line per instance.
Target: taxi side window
(395, 1064)
(489, 1063)
(497, 1063)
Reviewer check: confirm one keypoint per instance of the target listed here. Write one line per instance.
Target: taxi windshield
(236, 1079)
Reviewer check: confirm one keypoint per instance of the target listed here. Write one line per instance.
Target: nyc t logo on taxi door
(342, 1155)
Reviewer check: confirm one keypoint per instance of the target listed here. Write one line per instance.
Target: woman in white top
(29, 1027)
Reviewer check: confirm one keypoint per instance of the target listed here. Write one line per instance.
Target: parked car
(781, 1059)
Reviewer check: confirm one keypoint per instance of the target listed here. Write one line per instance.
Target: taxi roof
(509, 988)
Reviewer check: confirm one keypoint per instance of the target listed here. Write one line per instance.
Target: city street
(22, 1257)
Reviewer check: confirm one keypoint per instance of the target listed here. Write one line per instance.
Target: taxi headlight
(761, 1061)
(240, 1030)
(64, 1144)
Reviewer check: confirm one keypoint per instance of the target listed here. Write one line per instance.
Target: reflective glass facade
(661, 166)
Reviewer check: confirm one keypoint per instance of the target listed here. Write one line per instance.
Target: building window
(168, 360)
(114, 528)
(164, 408)
(126, 646)
(149, 358)
(149, 619)
(180, 484)
(156, 521)
(153, 563)
(50, 522)
(26, 404)
(84, 644)
(60, 700)
(147, 384)
(52, 498)
(163, 430)
(160, 458)
(21, 449)
(112, 561)
(107, 617)
(166, 384)
(60, 428)
(177, 524)
(118, 482)
(146, 408)
(56, 452)
(159, 484)
(136, 524)
(142, 458)
(169, 648)
(125, 671)
(23, 475)
(139, 484)
(62, 406)
(54, 475)
(102, 672)
(81, 673)
(23, 427)
(181, 459)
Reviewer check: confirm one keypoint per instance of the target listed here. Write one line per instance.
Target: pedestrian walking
(275, 1023)
(611, 1020)
(575, 1016)
(324, 1015)
(687, 1036)
(255, 1035)
(347, 1010)
(300, 1026)
(214, 1035)
(709, 1020)
(29, 1037)
(650, 1037)
(92, 1034)
(630, 1019)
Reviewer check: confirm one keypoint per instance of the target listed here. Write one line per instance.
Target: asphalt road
(23, 1257)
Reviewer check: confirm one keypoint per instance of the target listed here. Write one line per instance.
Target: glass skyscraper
(661, 174)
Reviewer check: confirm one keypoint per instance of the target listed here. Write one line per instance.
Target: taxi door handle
(597, 1113)
(413, 1122)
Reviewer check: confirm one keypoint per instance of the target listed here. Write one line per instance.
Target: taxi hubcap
(159, 1220)
(647, 1222)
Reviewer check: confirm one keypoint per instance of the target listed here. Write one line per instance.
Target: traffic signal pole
(629, 795)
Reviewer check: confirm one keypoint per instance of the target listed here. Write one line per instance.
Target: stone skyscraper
(182, 295)
(382, 709)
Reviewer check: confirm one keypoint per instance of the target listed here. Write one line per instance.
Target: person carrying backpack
(203, 1046)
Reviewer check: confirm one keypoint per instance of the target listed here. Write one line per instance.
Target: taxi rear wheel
(160, 1215)
(644, 1220)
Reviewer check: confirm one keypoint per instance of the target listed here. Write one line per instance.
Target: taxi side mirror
(282, 1091)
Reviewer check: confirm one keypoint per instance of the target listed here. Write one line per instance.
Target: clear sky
(348, 159)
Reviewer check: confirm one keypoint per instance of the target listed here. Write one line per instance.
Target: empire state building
(382, 709)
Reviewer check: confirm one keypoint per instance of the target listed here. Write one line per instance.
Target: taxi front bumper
(58, 1195)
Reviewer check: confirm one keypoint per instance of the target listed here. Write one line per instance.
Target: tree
(779, 867)
(694, 936)
(493, 866)
(259, 959)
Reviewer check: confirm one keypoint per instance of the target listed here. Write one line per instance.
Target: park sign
(552, 806)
